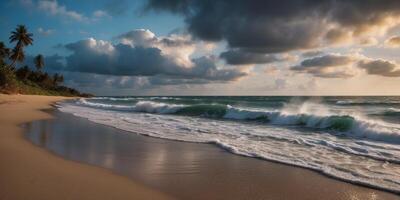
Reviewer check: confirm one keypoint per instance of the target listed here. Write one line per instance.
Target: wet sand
(186, 170)
(30, 172)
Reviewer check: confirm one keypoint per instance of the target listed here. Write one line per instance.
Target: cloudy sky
(207, 47)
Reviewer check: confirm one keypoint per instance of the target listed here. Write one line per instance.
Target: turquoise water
(356, 139)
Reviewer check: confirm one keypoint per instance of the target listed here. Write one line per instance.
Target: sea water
(356, 139)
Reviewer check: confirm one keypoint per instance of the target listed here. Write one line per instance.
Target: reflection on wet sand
(186, 170)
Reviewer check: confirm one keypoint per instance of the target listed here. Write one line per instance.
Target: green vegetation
(24, 80)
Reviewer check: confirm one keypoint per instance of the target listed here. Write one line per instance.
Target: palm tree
(4, 53)
(17, 54)
(57, 79)
(61, 78)
(23, 39)
(39, 62)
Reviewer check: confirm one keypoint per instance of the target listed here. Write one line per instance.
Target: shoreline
(120, 125)
(262, 177)
(30, 172)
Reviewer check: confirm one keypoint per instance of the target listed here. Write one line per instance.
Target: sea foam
(364, 158)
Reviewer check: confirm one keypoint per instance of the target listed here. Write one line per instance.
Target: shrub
(8, 82)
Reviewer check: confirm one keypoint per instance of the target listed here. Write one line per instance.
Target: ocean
(355, 139)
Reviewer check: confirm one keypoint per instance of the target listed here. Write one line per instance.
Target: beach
(139, 167)
(199, 100)
(30, 172)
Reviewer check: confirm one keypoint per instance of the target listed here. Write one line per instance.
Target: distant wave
(392, 112)
(388, 112)
(365, 102)
(345, 124)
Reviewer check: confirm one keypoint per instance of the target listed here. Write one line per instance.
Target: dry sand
(29, 172)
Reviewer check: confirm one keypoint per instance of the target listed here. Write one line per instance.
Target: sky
(205, 47)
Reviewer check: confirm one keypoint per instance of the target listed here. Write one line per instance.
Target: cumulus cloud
(141, 53)
(175, 47)
(380, 67)
(328, 66)
(326, 61)
(90, 80)
(53, 8)
(238, 57)
(346, 66)
(393, 42)
(274, 27)
(139, 37)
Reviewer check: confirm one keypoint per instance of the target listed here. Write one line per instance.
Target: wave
(140, 106)
(117, 98)
(363, 103)
(367, 162)
(339, 124)
(394, 112)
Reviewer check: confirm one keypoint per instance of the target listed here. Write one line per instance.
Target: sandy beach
(29, 172)
(186, 170)
(123, 165)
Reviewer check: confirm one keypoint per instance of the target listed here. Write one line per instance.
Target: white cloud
(141, 53)
(53, 8)
(45, 32)
(99, 14)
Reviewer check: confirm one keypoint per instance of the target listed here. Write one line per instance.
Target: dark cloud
(238, 57)
(380, 67)
(205, 68)
(326, 61)
(327, 66)
(138, 60)
(122, 60)
(273, 26)
(338, 66)
(90, 80)
(337, 35)
(102, 57)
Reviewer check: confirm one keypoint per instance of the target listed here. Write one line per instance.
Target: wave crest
(342, 124)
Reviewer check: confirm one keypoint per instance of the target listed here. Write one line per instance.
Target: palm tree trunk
(11, 66)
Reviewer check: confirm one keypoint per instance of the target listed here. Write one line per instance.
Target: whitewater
(356, 139)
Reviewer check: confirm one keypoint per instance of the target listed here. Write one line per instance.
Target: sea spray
(309, 114)
(342, 142)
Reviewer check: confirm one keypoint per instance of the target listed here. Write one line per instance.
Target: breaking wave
(349, 125)
(346, 142)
